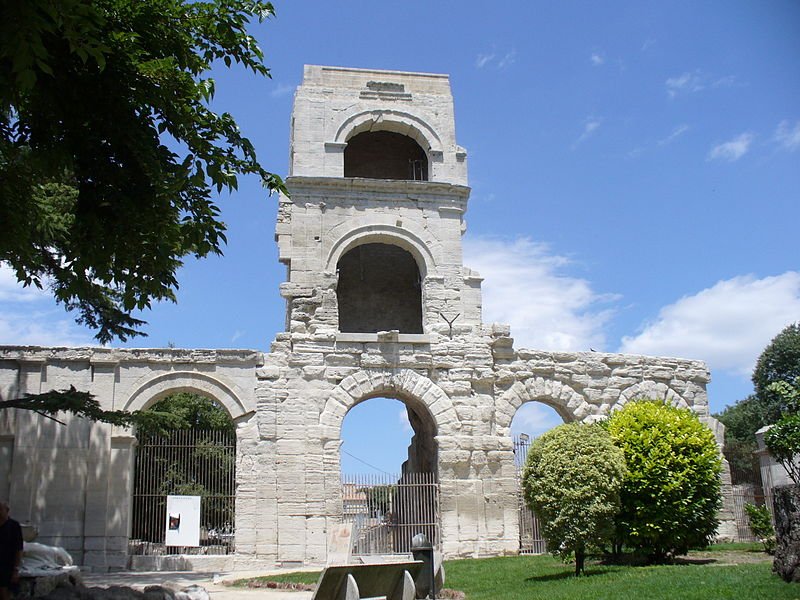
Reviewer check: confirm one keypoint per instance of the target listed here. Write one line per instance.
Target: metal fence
(748, 488)
(530, 536)
(388, 510)
(188, 462)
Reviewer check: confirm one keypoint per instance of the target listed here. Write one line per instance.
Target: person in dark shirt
(10, 551)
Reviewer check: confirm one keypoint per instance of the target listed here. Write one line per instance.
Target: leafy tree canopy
(672, 490)
(780, 361)
(184, 410)
(741, 421)
(572, 480)
(109, 151)
(783, 439)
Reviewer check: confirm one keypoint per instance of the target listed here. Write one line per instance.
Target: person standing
(10, 551)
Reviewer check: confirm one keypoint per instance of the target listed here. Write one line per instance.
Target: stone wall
(75, 481)
(462, 380)
(468, 388)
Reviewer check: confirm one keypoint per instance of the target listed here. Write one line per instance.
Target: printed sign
(183, 521)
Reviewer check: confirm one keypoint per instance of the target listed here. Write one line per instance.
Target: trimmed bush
(572, 480)
(671, 493)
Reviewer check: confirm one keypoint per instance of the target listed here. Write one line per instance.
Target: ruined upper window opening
(379, 289)
(385, 155)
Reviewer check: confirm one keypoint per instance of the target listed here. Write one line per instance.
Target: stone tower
(379, 303)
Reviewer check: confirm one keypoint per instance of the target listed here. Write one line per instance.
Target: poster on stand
(183, 521)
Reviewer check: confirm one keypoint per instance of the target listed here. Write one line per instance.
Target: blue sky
(635, 173)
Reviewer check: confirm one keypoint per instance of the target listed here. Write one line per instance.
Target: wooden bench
(392, 581)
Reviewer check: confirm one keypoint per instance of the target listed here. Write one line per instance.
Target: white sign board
(183, 521)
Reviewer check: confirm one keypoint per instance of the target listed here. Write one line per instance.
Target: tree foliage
(109, 150)
(379, 498)
(672, 490)
(184, 410)
(741, 423)
(783, 438)
(72, 401)
(572, 480)
(760, 523)
(779, 361)
(181, 411)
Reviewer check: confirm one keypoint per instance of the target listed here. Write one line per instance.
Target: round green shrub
(671, 493)
(572, 480)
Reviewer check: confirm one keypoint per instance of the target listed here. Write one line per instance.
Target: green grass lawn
(531, 577)
(735, 572)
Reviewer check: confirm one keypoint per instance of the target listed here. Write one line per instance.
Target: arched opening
(531, 420)
(185, 447)
(379, 289)
(389, 481)
(385, 155)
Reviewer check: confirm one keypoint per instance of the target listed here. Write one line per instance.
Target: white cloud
(534, 418)
(727, 325)
(490, 59)
(788, 135)
(483, 60)
(526, 287)
(591, 125)
(636, 152)
(509, 59)
(405, 424)
(732, 150)
(686, 82)
(13, 291)
(597, 59)
(41, 328)
(676, 133)
(695, 81)
(282, 89)
(30, 317)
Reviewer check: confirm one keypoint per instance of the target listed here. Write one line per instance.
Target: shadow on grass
(638, 560)
(693, 561)
(570, 575)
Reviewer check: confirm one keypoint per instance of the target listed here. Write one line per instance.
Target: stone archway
(652, 390)
(396, 121)
(152, 389)
(195, 462)
(377, 274)
(438, 423)
(568, 403)
(403, 384)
